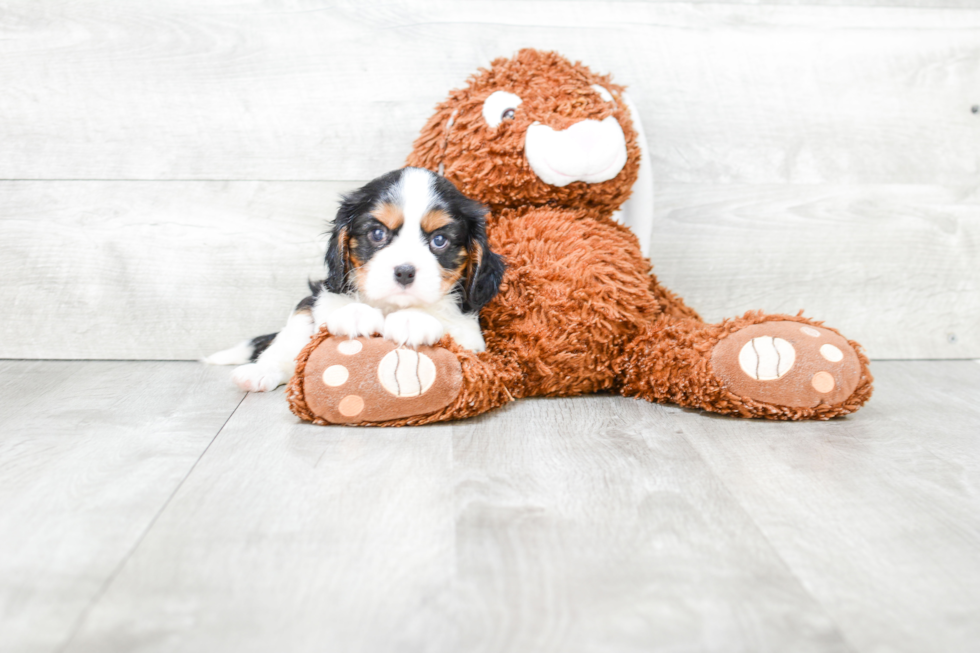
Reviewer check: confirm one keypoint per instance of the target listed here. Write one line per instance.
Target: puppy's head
(409, 238)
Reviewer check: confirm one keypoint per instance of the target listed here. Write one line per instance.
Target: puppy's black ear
(337, 258)
(485, 269)
(337, 261)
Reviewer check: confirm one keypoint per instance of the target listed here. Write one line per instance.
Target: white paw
(468, 339)
(356, 320)
(235, 356)
(256, 378)
(413, 328)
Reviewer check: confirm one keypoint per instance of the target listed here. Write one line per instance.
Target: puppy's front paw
(355, 320)
(412, 327)
(256, 378)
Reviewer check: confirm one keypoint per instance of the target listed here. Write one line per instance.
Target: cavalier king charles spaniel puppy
(408, 260)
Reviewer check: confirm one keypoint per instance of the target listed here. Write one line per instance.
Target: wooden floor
(149, 506)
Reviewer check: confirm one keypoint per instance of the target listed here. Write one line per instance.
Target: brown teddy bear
(553, 150)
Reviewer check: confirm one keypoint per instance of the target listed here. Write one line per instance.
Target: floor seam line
(779, 556)
(139, 541)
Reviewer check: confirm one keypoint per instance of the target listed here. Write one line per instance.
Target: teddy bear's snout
(592, 151)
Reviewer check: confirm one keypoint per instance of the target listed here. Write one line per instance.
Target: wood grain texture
(919, 4)
(896, 268)
(89, 454)
(178, 270)
(172, 270)
(598, 529)
(581, 524)
(293, 537)
(591, 524)
(338, 91)
(878, 515)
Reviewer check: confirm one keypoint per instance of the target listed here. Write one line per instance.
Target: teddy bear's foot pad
(787, 364)
(363, 380)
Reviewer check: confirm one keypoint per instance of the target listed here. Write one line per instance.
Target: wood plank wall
(167, 167)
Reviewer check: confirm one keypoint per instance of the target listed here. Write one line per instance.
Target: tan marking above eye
(434, 220)
(389, 215)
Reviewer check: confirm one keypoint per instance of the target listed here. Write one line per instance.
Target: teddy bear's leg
(772, 366)
(373, 381)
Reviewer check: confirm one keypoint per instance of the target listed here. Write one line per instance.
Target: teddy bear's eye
(500, 106)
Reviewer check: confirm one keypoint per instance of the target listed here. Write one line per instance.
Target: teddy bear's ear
(637, 212)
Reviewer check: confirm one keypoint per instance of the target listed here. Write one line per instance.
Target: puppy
(408, 259)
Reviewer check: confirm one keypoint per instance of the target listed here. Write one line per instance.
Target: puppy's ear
(337, 258)
(484, 269)
(337, 261)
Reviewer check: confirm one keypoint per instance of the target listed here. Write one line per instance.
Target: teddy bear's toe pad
(787, 364)
(374, 380)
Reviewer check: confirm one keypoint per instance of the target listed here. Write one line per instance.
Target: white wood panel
(158, 270)
(307, 90)
(920, 4)
(90, 452)
(895, 267)
(878, 514)
(177, 270)
(599, 529)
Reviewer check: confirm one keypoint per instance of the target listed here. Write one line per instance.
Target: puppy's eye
(438, 242)
(507, 115)
(378, 235)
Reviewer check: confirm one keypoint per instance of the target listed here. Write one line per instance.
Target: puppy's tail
(244, 352)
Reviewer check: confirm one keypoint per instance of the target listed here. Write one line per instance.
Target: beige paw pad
(406, 373)
(787, 364)
(349, 347)
(766, 358)
(831, 353)
(372, 380)
(335, 375)
(823, 382)
(350, 406)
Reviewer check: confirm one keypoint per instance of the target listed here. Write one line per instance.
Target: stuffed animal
(554, 150)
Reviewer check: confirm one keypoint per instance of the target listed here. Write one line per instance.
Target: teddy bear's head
(533, 130)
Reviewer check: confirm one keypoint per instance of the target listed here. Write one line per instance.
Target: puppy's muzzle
(405, 274)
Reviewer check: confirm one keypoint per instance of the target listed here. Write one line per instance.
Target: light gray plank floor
(146, 507)
(90, 452)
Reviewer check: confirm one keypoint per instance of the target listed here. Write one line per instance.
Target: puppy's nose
(405, 274)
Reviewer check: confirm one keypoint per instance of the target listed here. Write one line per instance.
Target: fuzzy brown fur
(579, 310)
